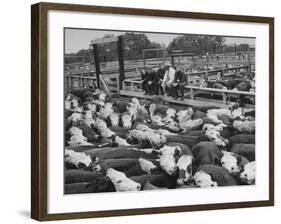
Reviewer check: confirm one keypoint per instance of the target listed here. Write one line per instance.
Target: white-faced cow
(233, 162)
(169, 156)
(121, 182)
(248, 174)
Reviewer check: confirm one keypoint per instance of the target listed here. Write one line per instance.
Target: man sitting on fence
(179, 84)
(147, 81)
(159, 76)
(169, 79)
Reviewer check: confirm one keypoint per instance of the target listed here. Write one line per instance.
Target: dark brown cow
(206, 153)
(246, 150)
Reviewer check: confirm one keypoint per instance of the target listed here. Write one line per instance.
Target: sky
(77, 39)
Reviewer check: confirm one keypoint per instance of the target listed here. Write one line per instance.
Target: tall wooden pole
(97, 64)
(249, 59)
(120, 60)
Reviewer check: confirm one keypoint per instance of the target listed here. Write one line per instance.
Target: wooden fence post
(120, 60)
(97, 64)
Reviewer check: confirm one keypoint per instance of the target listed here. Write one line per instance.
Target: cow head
(152, 109)
(143, 127)
(132, 110)
(184, 115)
(127, 121)
(146, 166)
(156, 140)
(203, 179)
(114, 119)
(248, 174)
(184, 165)
(230, 162)
(79, 159)
(168, 156)
(157, 120)
(135, 101)
(171, 112)
(215, 137)
(75, 131)
(172, 125)
(102, 96)
(121, 182)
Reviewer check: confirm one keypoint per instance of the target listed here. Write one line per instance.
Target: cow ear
(239, 159)
(217, 161)
(95, 159)
(177, 151)
(212, 176)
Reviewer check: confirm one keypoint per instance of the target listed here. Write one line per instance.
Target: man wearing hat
(169, 78)
(179, 83)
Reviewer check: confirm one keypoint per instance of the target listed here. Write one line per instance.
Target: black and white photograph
(157, 111)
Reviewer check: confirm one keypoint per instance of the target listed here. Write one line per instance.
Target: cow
(190, 124)
(245, 150)
(206, 153)
(247, 127)
(248, 174)
(126, 119)
(210, 175)
(184, 165)
(99, 184)
(90, 106)
(214, 136)
(184, 115)
(89, 133)
(114, 119)
(79, 176)
(75, 131)
(146, 165)
(213, 114)
(157, 120)
(232, 162)
(203, 179)
(121, 106)
(106, 133)
(78, 140)
(241, 138)
(155, 140)
(169, 156)
(71, 102)
(119, 141)
(77, 160)
(75, 117)
(122, 152)
(148, 186)
(218, 127)
(105, 111)
(172, 125)
(190, 141)
(170, 115)
(121, 182)
(198, 114)
(119, 164)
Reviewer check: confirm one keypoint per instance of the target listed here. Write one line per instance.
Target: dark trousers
(158, 88)
(174, 91)
(147, 88)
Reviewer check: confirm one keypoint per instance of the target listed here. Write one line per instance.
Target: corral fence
(196, 95)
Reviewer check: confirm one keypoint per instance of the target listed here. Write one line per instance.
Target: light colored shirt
(169, 77)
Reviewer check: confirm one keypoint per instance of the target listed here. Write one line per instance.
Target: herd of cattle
(120, 145)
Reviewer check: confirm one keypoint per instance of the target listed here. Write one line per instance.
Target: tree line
(134, 43)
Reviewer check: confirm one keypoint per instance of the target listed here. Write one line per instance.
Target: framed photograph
(139, 111)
